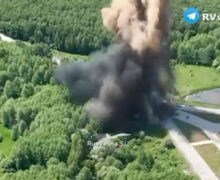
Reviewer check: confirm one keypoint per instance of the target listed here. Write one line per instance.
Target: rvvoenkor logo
(192, 15)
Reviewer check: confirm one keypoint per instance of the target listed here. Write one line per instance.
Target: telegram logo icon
(192, 15)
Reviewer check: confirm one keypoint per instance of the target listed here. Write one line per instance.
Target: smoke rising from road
(128, 82)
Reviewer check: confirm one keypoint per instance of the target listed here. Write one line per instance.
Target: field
(191, 79)
(192, 133)
(67, 56)
(7, 144)
(211, 155)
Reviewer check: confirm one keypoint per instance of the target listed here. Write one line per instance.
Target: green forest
(197, 44)
(44, 134)
(67, 25)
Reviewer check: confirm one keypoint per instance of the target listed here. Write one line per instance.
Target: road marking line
(202, 143)
(200, 109)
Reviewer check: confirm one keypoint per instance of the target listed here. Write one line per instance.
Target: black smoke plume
(126, 84)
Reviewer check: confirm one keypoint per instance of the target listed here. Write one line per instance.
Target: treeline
(51, 133)
(67, 25)
(195, 44)
(75, 26)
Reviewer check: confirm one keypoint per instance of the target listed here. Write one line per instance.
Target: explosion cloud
(141, 23)
(128, 82)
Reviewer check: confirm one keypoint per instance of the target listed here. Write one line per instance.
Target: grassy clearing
(64, 55)
(191, 79)
(211, 155)
(207, 116)
(7, 144)
(192, 133)
(60, 54)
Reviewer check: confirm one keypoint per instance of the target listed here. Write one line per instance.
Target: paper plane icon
(192, 16)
